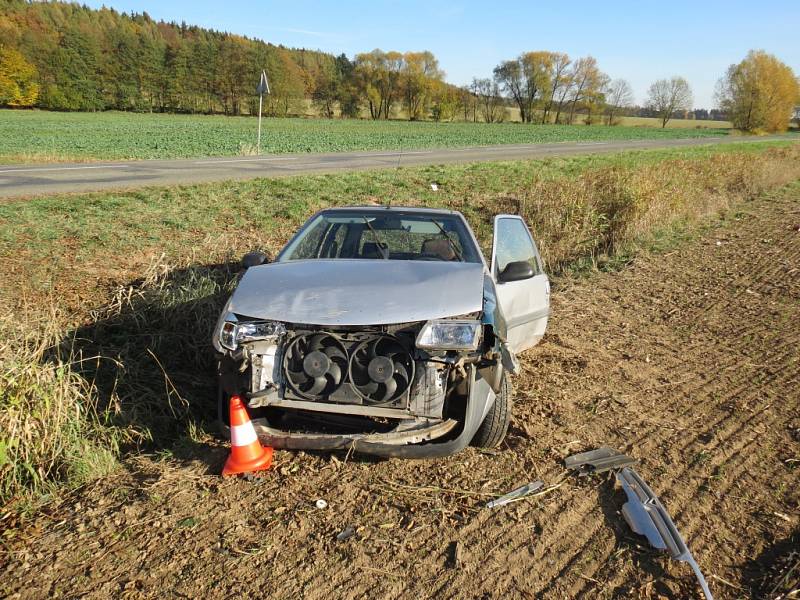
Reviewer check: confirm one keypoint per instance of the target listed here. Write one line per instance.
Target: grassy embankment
(40, 136)
(109, 299)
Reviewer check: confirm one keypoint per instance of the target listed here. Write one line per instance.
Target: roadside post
(261, 89)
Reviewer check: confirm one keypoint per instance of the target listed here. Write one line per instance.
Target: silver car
(384, 330)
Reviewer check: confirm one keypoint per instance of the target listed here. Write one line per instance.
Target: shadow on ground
(150, 358)
(774, 573)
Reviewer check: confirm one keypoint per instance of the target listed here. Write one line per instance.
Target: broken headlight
(232, 333)
(449, 335)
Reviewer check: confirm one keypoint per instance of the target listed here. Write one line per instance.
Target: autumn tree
(490, 104)
(325, 93)
(420, 74)
(618, 96)
(759, 93)
(559, 86)
(586, 82)
(378, 75)
(594, 103)
(445, 101)
(468, 102)
(347, 92)
(287, 86)
(333, 87)
(368, 71)
(18, 87)
(666, 96)
(525, 79)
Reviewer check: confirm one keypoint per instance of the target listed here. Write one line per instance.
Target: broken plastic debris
(517, 493)
(645, 514)
(321, 504)
(346, 533)
(598, 461)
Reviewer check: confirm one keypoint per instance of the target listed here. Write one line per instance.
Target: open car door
(523, 289)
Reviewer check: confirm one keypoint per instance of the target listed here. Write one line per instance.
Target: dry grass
(606, 212)
(51, 426)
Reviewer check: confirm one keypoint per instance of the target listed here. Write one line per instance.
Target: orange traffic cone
(247, 453)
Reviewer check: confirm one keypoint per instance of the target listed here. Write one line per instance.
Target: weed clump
(52, 426)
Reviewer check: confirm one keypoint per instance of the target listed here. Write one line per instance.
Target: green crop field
(37, 136)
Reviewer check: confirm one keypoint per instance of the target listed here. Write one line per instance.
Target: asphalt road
(35, 180)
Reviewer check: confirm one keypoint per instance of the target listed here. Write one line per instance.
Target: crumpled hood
(358, 292)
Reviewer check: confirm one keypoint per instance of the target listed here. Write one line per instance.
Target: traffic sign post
(261, 89)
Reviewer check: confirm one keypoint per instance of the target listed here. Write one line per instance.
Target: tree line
(64, 56)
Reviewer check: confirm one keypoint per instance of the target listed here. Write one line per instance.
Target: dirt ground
(687, 360)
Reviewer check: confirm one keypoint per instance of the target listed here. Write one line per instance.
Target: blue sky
(638, 41)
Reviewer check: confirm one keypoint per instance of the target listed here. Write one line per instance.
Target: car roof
(397, 209)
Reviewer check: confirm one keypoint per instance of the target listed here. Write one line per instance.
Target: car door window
(513, 243)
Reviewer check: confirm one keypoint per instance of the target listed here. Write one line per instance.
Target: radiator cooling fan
(381, 370)
(315, 365)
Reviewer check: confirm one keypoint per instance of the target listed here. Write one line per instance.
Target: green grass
(49, 136)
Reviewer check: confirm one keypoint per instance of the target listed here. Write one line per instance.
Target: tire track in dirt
(682, 502)
(587, 524)
(692, 523)
(737, 389)
(661, 487)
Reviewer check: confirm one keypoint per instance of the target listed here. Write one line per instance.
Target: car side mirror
(253, 259)
(516, 271)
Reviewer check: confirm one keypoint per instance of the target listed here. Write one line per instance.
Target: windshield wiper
(380, 244)
(456, 251)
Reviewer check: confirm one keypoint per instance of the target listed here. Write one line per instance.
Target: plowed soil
(688, 360)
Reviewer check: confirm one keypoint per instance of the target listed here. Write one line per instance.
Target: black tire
(493, 430)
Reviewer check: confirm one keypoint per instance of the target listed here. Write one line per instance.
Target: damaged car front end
(378, 330)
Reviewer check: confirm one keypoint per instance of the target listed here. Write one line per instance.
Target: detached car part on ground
(646, 516)
(643, 512)
(384, 330)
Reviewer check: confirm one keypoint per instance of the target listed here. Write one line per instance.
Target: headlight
(258, 330)
(232, 333)
(227, 335)
(449, 335)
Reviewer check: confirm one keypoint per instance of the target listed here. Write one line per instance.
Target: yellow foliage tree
(759, 93)
(18, 87)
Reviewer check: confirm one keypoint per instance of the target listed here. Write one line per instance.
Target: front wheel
(493, 430)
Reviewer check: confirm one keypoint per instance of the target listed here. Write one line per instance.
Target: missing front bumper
(324, 441)
(417, 442)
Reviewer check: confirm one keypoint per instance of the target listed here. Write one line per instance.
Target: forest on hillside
(76, 58)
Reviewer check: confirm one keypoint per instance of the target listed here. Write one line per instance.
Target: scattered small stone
(321, 504)
(346, 533)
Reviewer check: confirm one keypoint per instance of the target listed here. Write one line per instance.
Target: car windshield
(387, 235)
